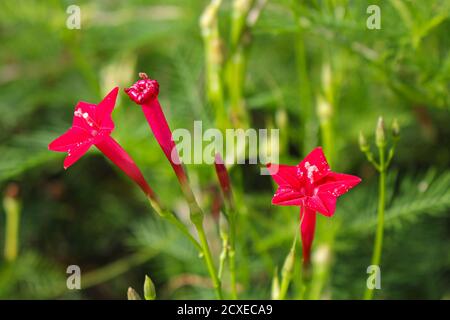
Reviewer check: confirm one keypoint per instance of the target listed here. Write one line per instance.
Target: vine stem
(197, 219)
(287, 271)
(208, 260)
(12, 209)
(232, 253)
(376, 258)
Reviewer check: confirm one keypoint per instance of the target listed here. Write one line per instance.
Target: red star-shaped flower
(92, 125)
(313, 187)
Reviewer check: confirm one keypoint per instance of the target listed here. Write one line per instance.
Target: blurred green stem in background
(115, 269)
(245, 14)
(213, 48)
(308, 132)
(231, 213)
(325, 113)
(236, 62)
(12, 207)
(227, 224)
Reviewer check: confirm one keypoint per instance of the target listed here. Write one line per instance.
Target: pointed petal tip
(113, 92)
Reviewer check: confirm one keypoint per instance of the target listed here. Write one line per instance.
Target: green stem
(115, 269)
(170, 216)
(308, 127)
(376, 258)
(327, 139)
(177, 223)
(232, 253)
(223, 257)
(12, 209)
(208, 260)
(196, 216)
(287, 271)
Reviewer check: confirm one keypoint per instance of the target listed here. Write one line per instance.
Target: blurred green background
(297, 53)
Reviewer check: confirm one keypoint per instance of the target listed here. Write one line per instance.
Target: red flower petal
(336, 184)
(314, 166)
(74, 154)
(324, 205)
(284, 175)
(72, 138)
(84, 117)
(105, 108)
(286, 196)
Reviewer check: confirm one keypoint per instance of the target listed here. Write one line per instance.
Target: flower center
(88, 119)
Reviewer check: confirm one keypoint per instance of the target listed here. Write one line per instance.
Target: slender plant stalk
(236, 63)
(376, 258)
(223, 257)
(288, 270)
(306, 106)
(232, 251)
(213, 61)
(196, 215)
(209, 261)
(12, 209)
(228, 224)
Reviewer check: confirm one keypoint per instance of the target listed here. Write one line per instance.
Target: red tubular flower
(92, 125)
(313, 187)
(145, 93)
(222, 175)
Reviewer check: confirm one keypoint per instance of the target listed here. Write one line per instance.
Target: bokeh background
(300, 57)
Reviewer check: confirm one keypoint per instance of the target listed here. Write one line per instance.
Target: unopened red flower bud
(222, 175)
(143, 90)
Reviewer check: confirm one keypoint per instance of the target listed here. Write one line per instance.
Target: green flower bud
(363, 145)
(132, 294)
(380, 137)
(395, 129)
(275, 292)
(149, 289)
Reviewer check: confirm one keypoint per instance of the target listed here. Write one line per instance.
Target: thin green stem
(180, 225)
(232, 252)
(223, 257)
(305, 94)
(288, 270)
(327, 139)
(196, 216)
(208, 260)
(372, 160)
(12, 209)
(376, 258)
(170, 216)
